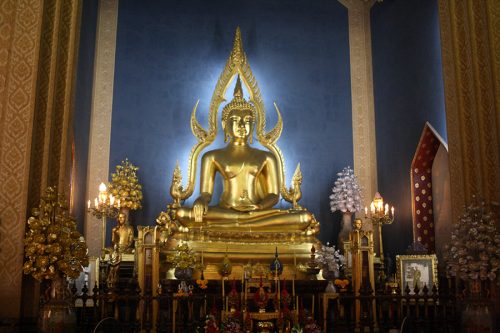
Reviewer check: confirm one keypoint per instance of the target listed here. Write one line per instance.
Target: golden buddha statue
(122, 235)
(115, 259)
(243, 221)
(250, 181)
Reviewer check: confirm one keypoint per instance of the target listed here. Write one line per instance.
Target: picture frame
(418, 270)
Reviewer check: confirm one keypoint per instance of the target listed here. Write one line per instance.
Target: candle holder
(105, 206)
(379, 215)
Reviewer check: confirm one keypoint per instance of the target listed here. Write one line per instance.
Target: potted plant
(54, 251)
(183, 261)
(332, 262)
(125, 187)
(473, 257)
(347, 198)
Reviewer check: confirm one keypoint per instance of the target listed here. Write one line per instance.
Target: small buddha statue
(113, 266)
(250, 181)
(122, 235)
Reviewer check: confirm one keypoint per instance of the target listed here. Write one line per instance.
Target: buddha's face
(239, 124)
(121, 218)
(358, 224)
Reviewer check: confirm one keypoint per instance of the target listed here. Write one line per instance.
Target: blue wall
(169, 54)
(408, 88)
(83, 100)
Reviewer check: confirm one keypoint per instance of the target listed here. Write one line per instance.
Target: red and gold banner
(421, 188)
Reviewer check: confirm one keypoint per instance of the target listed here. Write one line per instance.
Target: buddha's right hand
(200, 208)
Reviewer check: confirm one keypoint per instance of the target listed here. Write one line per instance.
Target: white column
(100, 123)
(363, 114)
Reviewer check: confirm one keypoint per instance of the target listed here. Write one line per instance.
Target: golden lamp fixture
(105, 205)
(380, 215)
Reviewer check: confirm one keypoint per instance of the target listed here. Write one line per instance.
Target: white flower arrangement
(330, 258)
(346, 196)
(474, 252)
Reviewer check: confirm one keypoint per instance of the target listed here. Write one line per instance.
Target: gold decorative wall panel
(38, 42)
(102, 103)
(20, 24)
(470, 41)
(52, 124)
(363, 114)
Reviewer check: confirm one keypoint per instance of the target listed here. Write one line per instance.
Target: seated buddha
(250, 181)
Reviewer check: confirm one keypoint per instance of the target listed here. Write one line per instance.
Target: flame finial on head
(238, 91)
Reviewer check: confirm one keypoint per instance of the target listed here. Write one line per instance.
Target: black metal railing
(126, 308)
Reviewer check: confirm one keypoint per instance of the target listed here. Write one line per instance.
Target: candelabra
(379, 215)
(105, 206)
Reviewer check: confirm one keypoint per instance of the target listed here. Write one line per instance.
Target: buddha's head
(122, 218)
(358, 224)
(238, 117)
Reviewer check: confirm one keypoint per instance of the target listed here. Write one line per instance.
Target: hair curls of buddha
(238, 103)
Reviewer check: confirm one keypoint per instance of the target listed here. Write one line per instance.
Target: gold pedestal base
(258, 251)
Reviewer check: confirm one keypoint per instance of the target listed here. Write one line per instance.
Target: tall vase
(57, 314)
(345, 230)
(476, 314)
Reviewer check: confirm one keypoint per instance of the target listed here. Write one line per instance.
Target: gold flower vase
(57, 314)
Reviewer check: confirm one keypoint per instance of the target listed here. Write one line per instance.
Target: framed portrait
(417, 270)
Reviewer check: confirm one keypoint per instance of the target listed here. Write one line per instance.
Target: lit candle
(111, 200)
(366, 211)
(88, 204)
(102, 193)
(392, 211)
(386, 209)
(96, 203)
(372, 207)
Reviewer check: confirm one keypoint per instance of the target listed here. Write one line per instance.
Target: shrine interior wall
(408, 89)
